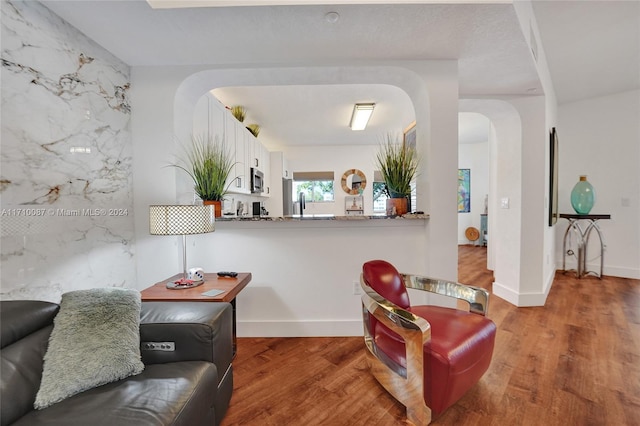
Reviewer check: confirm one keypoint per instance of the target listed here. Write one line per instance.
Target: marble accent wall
(66, 166)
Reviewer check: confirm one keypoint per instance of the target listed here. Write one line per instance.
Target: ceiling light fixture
(361, 115)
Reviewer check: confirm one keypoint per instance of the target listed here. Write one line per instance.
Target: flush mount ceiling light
(361, 115)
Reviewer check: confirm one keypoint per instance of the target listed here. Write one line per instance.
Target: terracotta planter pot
(217, 206)
(397, 206)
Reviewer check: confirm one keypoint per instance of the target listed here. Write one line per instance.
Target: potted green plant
(209, 164)
(239, 112)
(254, 129)
(398, 164)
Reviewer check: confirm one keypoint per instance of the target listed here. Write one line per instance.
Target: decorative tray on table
(182, 284)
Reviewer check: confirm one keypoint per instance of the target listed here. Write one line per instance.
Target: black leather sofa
(190, 385)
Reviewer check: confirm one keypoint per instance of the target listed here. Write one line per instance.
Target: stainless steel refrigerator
(287, 197)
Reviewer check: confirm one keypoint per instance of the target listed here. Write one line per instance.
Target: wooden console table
(230, 288)
(583, 240)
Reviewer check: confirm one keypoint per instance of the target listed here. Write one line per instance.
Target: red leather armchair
(427, 357)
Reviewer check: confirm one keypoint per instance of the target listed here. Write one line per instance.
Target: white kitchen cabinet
(212, 119)
(266, 168)
(208, 118)
(258, 157)
(201, 118)
(255, 151)
(241, 171)
(236, 139)
(278, 170)
(286, 172)
(279, 166)
(216, 118)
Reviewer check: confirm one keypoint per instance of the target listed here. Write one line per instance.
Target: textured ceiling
(320, 114)
(592, 49)
(485, 37)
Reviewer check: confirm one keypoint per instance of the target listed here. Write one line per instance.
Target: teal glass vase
(583, 196)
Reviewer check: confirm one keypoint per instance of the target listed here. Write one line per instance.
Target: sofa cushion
(19, 318)
(95, 340)
(25, 328)
(177, 394)
(21, 368)
(457, 355)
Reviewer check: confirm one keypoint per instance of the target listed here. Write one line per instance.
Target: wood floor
(575, 361)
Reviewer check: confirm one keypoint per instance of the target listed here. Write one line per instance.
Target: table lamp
(181, 220)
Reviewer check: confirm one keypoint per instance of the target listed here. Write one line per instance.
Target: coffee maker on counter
(259, 210)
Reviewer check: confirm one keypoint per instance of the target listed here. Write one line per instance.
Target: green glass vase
(583, 196)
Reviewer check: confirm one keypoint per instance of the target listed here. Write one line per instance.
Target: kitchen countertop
(298, 218)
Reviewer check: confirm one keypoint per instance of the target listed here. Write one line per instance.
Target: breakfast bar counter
(306, 270)
(322, 217)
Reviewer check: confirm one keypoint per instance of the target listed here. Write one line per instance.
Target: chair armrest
(407, 386)
(201, 331)
(414, 330)
(476, 297)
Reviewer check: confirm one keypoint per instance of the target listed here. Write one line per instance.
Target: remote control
(227, 274)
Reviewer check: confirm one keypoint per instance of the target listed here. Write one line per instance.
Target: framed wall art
(464, 190)
(410, 136)
(553, 177)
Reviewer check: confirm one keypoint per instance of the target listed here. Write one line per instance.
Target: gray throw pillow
(95, 340)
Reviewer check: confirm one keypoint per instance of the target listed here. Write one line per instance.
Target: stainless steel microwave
(257, 181)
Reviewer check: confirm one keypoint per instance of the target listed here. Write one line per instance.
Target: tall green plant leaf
(398, 165)
(209, 164)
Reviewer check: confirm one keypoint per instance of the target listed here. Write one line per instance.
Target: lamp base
(182, 284)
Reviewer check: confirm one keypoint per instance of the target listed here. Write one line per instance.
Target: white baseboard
(549, 282)
(520, 300)
(621, 272)
(612, 271)
(336, 328)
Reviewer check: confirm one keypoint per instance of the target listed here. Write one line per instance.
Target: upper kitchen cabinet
(208, 120)
(278, 170)
(242, 184)
(201, 117)
(279, 166)
(264, 165)
(211, 118)
(236, 140)
(256, 156)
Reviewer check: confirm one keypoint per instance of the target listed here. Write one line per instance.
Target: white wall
(304, 273)
(316, 263)
(521, 245)
(474, 156)
(537, 267)
(518, 244)
(521, 252)
(338, 159)
(506, 224)
(600, 138)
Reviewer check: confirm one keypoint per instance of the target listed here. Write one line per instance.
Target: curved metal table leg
(583, 241)
(594, 225)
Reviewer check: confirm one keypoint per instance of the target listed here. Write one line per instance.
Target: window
(317, 186)
(379, 194)
(379, 197)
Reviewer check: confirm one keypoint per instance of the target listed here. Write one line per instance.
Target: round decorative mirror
(354, 182)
